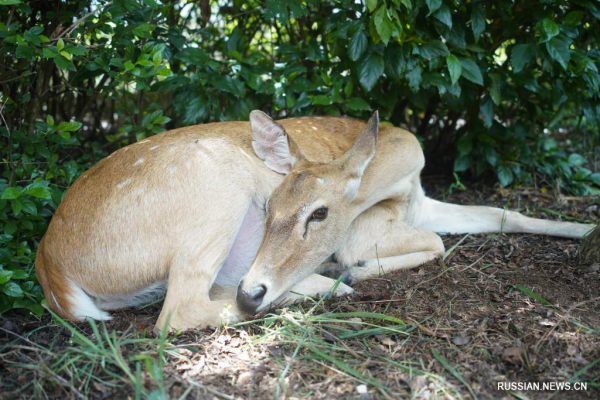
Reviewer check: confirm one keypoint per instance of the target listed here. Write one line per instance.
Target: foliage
(504, 86)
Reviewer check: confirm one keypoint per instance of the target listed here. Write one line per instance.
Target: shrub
(509, 87)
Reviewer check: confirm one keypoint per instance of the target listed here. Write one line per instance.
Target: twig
(211, 390)
(564, 317)
(80, 20)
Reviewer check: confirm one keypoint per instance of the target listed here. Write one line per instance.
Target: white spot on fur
(144, 141)
(315, 128)
(153, 147)
(138, 162)
(124, 183)
(172, 169)
(126, 149)
(321, 181)
(188, 163)
(83, 306)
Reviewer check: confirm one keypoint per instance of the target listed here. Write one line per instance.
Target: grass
(396, 339)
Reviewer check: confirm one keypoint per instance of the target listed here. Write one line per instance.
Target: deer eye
(319, 215)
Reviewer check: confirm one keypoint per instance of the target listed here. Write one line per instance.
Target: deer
(229, 219)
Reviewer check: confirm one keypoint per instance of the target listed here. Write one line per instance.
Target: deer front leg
(380, 241)
(188, 305)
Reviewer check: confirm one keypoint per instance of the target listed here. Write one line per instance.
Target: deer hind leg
(220, 256)
(380, 241)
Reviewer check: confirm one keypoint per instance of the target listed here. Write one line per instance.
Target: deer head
(307, 215)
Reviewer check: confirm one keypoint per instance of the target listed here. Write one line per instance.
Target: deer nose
(250, 300)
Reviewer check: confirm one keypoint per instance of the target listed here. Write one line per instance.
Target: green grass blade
(531, 294)
(451, 249)
(349, 370)
(451, 369)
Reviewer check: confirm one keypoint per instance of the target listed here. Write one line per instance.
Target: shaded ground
(468, 322)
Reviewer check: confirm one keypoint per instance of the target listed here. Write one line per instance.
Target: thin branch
(80, 20)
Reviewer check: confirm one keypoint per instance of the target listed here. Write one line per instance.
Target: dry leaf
(512, 355)
(461, 340)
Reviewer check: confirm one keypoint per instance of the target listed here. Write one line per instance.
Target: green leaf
(477, 20)
(369, 70)
(394, 61)
(76, 50)
(495, 89)
(433, 5)
(371, 5)
(383, 24)
(16, 207)
(48, 52)
(505, 175)
(60, 44)
(595, 177)
(144, 30)
(10, 193)
(471, 71)
(29, 207)
(195, 110)
(358, 104)
(435, 48)
(576, 160)
(322, 100)
(70, 126)
(9, 2)
(63, 63)
(11, 289)
(551, 28)
(4, 276)
(357, 45)
(414, 79)
(521, 54)
(487, 109)
(39, 192)
(49, 120)
(10, 228)
(573, 18)
(227, 84)
(559, 50)
(444, 16)
(24, 51)
(454, 68)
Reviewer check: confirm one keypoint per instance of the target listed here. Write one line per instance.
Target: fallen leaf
(461, 340)
(385, 340)
(512, 355)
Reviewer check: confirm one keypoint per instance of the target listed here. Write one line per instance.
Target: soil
(470, 311)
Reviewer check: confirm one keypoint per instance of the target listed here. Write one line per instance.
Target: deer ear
(357, 158)
(271, 143)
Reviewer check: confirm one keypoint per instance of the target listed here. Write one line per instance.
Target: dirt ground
(467, 318)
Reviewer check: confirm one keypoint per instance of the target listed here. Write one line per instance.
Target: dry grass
(498, 308)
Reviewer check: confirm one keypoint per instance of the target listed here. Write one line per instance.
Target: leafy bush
(506, 86)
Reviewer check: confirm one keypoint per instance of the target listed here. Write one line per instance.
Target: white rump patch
(83, 306)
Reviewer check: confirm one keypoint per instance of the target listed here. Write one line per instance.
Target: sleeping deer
(233, 218)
